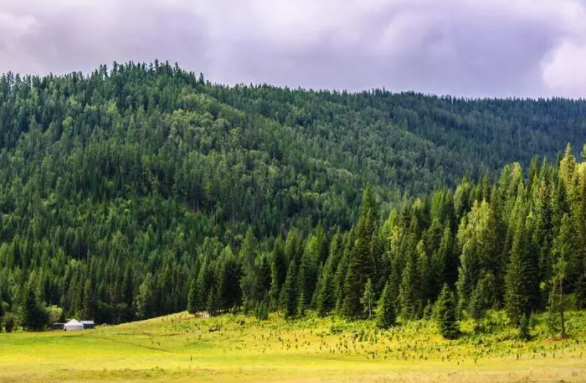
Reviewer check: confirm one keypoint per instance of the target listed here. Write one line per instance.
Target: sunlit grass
(181, 348)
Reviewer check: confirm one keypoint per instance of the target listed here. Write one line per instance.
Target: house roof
(73, 323)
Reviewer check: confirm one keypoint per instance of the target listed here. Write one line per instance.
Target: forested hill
(133, 176)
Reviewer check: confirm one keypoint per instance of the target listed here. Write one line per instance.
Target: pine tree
(228, 273)
(409, 295)
(34, 315)
(325, 293)
(145, 300)
(262, 310)
(445, 313)
(325, 290)
(516, 282)
(212, 302)
(288, 299)
(128, 286)
(483, 297)
(308, 270)
(477, 239)
(367, 299)
(301, 305)
(194, 299)
(89, 303)
(386, 315)
(278, 271)
(361, 262)
(562, 249)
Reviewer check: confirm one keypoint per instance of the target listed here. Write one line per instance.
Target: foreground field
(180, 348)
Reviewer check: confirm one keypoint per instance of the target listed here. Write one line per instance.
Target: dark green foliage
(89, 303)
(145, 300)
(446, 314)
(9, 322)
(278, 271)
(262, 310)
(34, 314)
(367, 299)
(289, 294)
(361, 262)
(518, 275)
(409, 291)
(562, 249)
(194, 299)
(483, 297)
(525, 328)
(386, 316)
(1, 314)
(326, 287)
(212, 305)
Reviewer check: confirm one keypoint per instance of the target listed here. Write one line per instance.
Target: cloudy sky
(527, 48)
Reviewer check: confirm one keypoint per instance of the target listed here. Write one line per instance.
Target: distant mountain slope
(263, 151)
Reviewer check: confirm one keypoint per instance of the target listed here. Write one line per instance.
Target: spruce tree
(278, 271)
(145, 300)
(325, 290)
(445, 313)
(516, 281)
(194, 299)
(367, 299)
(212, 302)
(289, 296)
(562, 249)
(89, 303)
(386, 315)
(34, 314)
(361, 262)
(483, 297)
(409, 292)
(308, 271)
(325, 294)
(262, 310)
(301, 305)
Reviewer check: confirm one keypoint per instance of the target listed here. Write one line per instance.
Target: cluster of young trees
(145, 190)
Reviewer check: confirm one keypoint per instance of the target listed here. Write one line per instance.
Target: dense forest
(143, 190)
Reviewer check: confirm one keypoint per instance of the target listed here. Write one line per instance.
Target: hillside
(120, 189)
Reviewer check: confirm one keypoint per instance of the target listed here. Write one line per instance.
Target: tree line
(517, 243)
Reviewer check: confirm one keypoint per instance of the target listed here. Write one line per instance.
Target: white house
(73, 325)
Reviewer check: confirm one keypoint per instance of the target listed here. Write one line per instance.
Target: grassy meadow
(181, 348)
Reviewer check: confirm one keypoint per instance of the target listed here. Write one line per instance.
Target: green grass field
(181, 348)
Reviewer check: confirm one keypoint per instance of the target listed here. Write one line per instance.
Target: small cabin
(57, 326)
(88, 324)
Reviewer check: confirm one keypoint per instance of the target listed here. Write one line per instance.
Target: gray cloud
(462, 47)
